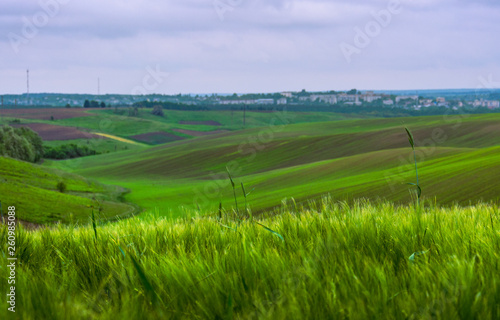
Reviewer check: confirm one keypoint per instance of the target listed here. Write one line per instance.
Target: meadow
(368, 158)
(35, 193)
(293, 216)
(336, 261)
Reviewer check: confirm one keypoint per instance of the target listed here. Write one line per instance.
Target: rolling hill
(348, 159)
(32, 189)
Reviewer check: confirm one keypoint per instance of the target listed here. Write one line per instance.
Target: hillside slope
(32, 189)
(348, 159)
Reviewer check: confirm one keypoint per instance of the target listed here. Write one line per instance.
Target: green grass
(337, 262)
(348, 159)
(32, 189)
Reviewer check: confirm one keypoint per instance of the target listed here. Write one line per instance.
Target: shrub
(157, 111)
(61, 186)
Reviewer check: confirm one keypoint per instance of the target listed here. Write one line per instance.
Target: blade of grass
(234, 191)
(144, 280)
(94, 224)
(245, 194)
(272, 231)
(412, 143)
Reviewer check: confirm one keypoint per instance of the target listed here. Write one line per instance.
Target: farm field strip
(116, 138)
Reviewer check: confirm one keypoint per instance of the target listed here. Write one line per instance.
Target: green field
(336, 262)
(33, 191)
(348, 159)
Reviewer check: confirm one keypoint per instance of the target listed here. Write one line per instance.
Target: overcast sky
(227, 46)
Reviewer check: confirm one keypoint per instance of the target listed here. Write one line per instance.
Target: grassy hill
(348, 159)
(366, 261)
(32, 189)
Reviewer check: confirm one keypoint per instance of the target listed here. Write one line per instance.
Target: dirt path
(117, 138)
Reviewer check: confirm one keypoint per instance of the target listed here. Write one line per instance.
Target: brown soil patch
(201, 123)
(198, 133)
(158, 137)
(51, 132)
(26, 224)
(46, 113)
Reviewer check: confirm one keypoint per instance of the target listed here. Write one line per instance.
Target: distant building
(325, 98)
(287, 94)
(369, 96)
(225, 102)
(399, 98)
(264, 101)
(492, 104)
(344, 97)
(282, 101)
(388, 102)
(440, 100)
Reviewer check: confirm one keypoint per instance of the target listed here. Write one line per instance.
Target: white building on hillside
(326, 98)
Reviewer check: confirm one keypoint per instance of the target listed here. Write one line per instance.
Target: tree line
(25, 144)
(94, 104)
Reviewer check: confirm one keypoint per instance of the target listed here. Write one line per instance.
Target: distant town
(453, 99)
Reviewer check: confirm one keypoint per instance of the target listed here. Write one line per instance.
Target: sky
(243, 46)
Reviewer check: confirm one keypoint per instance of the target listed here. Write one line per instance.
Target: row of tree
(94, 104)
(68, 151)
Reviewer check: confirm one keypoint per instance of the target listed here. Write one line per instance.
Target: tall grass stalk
(234, 192)
(94, 224)
(245, 194)
(412, 143)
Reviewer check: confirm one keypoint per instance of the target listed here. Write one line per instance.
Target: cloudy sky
(205, 46)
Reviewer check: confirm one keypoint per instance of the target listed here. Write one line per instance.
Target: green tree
(157, 110)
(21, 143)
(34, 140)
(86, 104)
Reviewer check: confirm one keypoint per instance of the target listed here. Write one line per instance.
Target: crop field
(347, 159)
(51, 132)
(337, 261)
(45, 113)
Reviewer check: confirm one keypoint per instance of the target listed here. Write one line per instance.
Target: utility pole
(98, 86)
(28, 85)
(244, 114)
